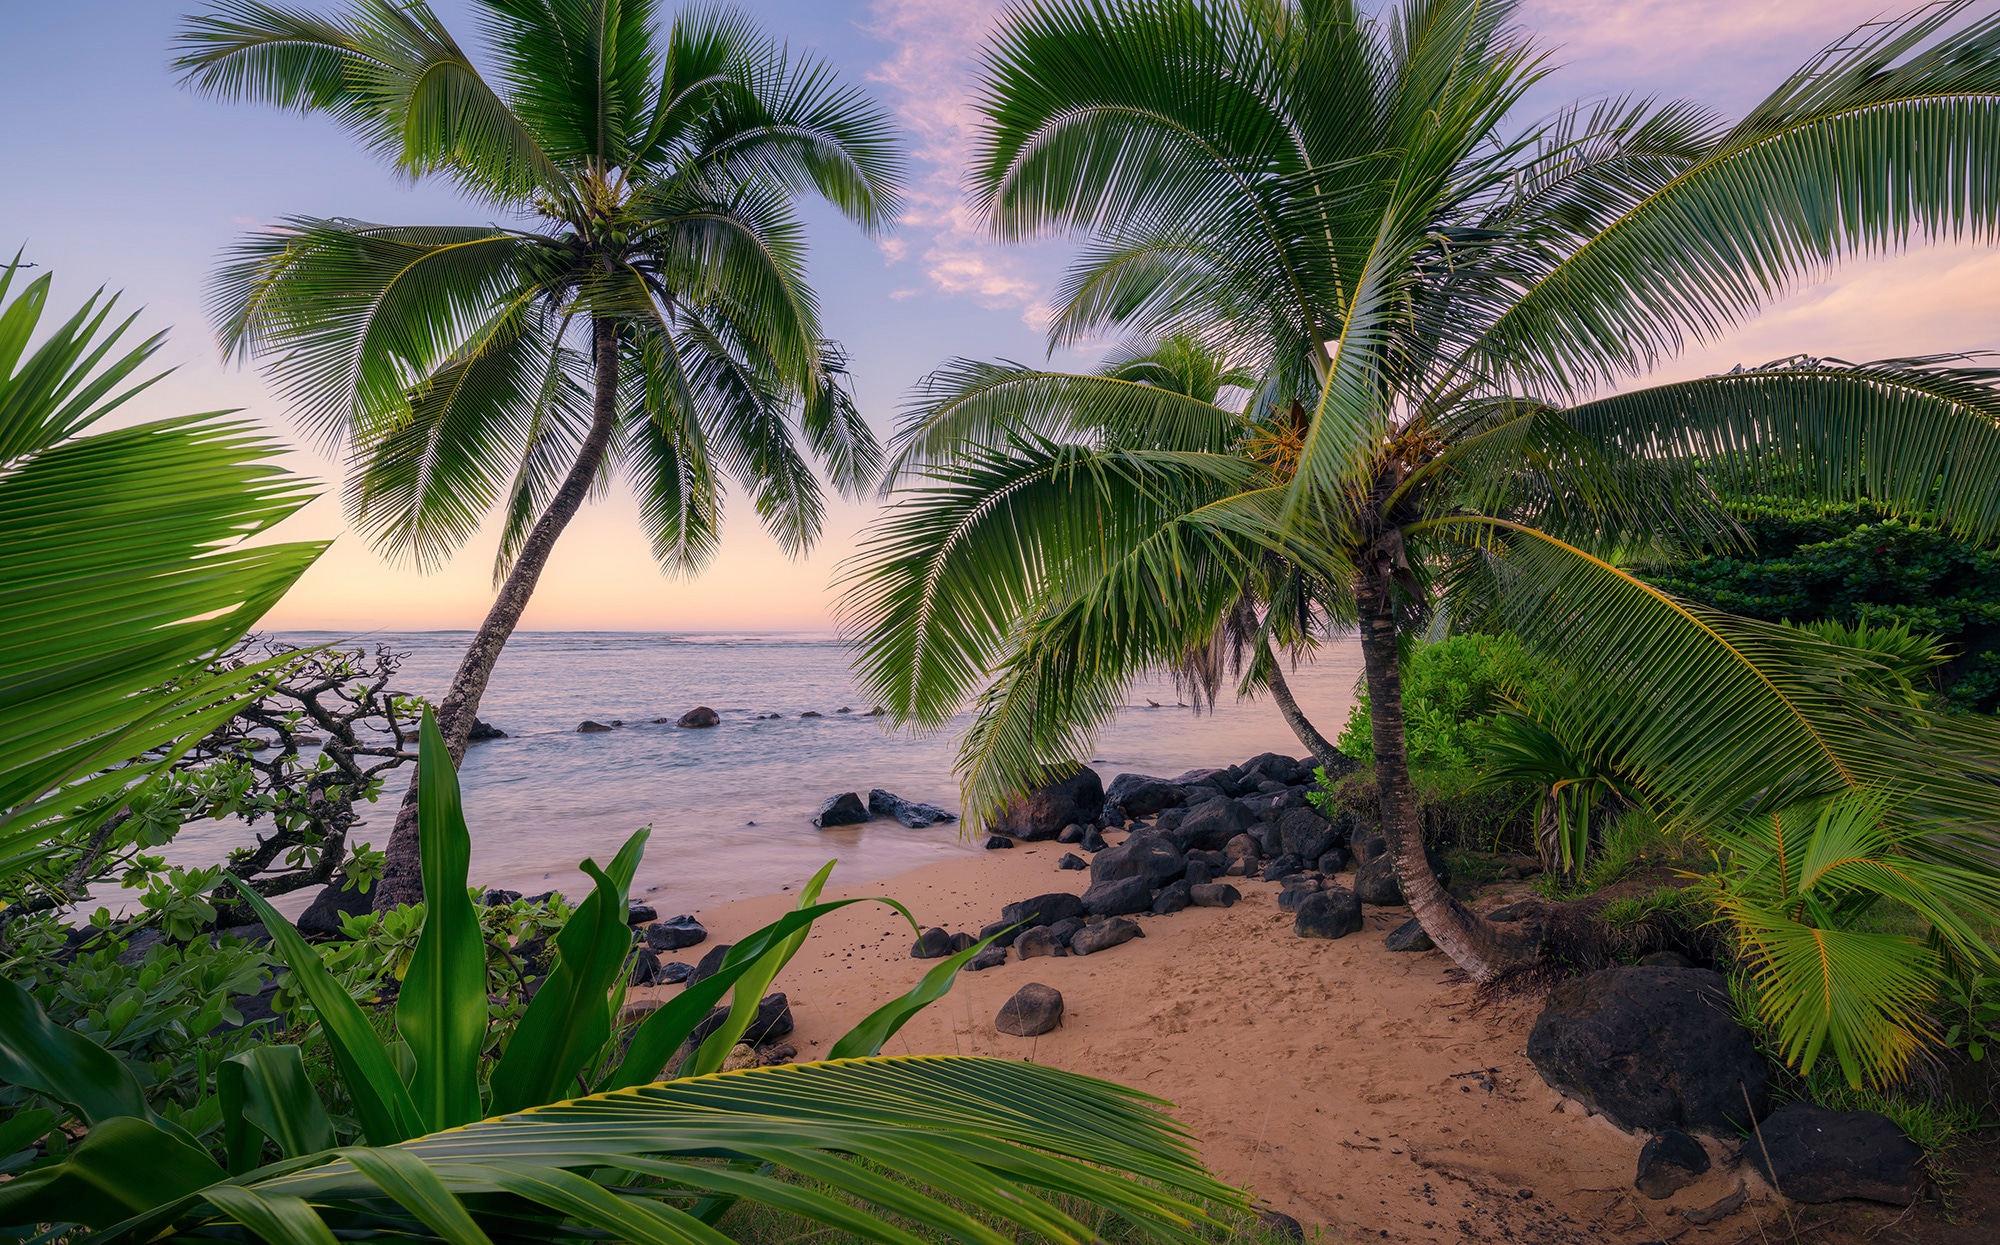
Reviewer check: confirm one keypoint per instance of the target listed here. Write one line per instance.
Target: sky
(113, 176)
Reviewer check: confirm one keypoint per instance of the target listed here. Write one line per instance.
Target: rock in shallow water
(1034, 1010)
(1817, 1155)
(844, 809)
(909, 812)
(588, 727)
(698, 717)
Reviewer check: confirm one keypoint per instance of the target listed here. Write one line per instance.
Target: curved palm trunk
(1477, 945)
(1281, 692)
(402, 876)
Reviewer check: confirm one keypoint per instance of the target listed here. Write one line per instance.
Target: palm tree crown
(645, 310)
(1434, 304)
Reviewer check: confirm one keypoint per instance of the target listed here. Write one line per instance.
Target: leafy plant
(1972, 1009)
(125, 571)
(1792, 885)
(1573, 793)
(627, 1157)
(1451, 688)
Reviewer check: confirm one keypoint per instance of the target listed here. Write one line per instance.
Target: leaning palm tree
(647, 311)
(1438, 306)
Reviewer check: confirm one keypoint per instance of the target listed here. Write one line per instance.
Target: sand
(1362, 1091)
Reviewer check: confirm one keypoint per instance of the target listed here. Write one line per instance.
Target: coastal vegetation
(647, 313)
(1440, 308)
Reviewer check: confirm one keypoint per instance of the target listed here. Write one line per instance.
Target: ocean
(731, 806)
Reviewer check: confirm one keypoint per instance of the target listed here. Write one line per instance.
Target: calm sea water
(731, 807)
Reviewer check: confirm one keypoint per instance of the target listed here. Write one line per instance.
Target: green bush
(1449, 688)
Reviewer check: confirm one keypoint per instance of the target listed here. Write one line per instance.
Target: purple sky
(112, 176)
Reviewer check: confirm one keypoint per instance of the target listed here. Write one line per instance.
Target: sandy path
(1346, 1085)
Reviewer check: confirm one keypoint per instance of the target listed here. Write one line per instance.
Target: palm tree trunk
(1477, 945)
(402, 875)
(1281, 691)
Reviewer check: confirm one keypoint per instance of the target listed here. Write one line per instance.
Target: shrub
(1449, 688)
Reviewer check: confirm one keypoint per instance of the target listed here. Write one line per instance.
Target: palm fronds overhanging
(124, 572)
(641, 309)
(1434, 300)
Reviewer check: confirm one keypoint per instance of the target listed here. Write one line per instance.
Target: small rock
(1332, 861)
(482, 731)
(1038, 941)
(1669, 1162)
(909, 812)
(877, 711)
(1142, 795)
(1306, 834)
(1173, 898)
(1242, 847)
(494, 897)
(682, 931)
(1112, 819)
(1281, 1225)
(935, 944)
(638, 912)
(675, 973)
(1065, 929)
(992, 957)
(637, 1010)
(1214, 895)
(812, 713)
(1042, 909)
(1118, 898)
(1092, 840)
(1328, 914)
(1817, 1155)
(1104, 935)
(1149, 856)
(645, 968)
(1666, 959)
(588, 727)
(845, 809)
(843, 709)
(998, 842)
(962, 941)
(1290, 898)
(1282, 867)
(1369, 848)
(1376, 882)
(1409, 936)
(698, 717)
(1071, 833)
(1070, 860)
(659, 721)
(771, 1056)
(741, 1056)
(773, 1020)
(708, 964)
(1034, 1010)
(1198, 871)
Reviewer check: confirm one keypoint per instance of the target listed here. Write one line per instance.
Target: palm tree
(649, 315)
(1438, 306)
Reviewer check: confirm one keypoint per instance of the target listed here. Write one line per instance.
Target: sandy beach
(1362, 1091)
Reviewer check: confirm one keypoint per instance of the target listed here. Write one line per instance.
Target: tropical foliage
(646, 313)
(1451, 690)
(125, 573)
(446, 1129)
(1435, 302)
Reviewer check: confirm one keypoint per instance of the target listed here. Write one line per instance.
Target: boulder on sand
(1144, 855)
(1142, 795)
(935, 944)
(1037, 942)
(1034, 1010)
(1070, 860)
(912, 814)
(1104, 935)
(1327, 914)
(1652, 1049)
(1210, 826)
(681, 931)
(1817, 1155)
(998, 842)
(1043, 812)
(1042, 910)
(1669, 1162)
(1409, 936)
(1306, 834)
(844, 809)
(1117, 898)
(1214, 895)
(698, 717)
(1174, 897)
(1377, 883)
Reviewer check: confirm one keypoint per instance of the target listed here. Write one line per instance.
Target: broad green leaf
(24, 1129)
(441, 1010)
(881, 1024)
(265, 1092)
(418, 1190)
(123, 1167)
(277, 1218)
(749, 990)
(381, 1102)
(38, 1054)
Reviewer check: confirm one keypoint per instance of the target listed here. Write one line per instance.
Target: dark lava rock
(1666, 959)
(1210, 826)
(674, 974)
(482, 731)
(1038, 941)
(645, 968)
(1112, 819)
(1290, 898)
(1242, 847)
(812, 713)
(1819, 1155)
(1166, 823)
(1173, 898)
(774, 1020)
(844, 809)
(1148, 856)
(1198, 871)
(256, 1009)
(998, 842)
(1034, 1010)
(935, 944)
(638, 912)
(1281, 1225)
(1126, 895)
(1071, 833)
(1409, 936)
(588, 727)
(1142, 795)
(1043, 812)
(1669, 1162)
(1092, 840)
(321, 919)
(1070, 860)
(1283, 867)
(1065, 929)
(1265, 835)
(494, 897)
(1277, 767)
(1328, 914)
(1042, 910)
(1376, 882)
(1651, 1048)
(1306, 834)
(682, 931)
(912, 814)
(708, 964)
(1332, 861)
(698, 717)
(1526, 909)
(992, 957)
(962, 941)
(1104, 935)
(1214, 895)
(1369, 846)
